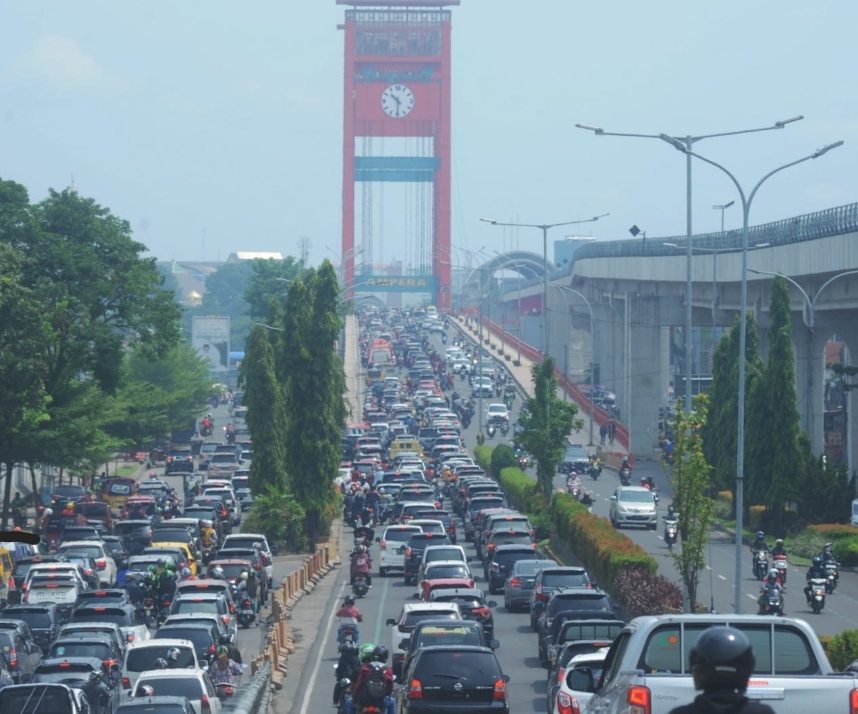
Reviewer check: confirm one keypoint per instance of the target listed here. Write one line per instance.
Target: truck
(647, 667)
(43, 699)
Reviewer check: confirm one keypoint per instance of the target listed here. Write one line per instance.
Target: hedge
(483, 457)
(843, 649)
(846, 551)
(834, 531)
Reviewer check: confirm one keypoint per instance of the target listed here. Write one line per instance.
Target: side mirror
(416, 596)
(391, 622)
(492, 603)
(614, 497)
(378, 540)
(506, 679)
(115, 674)
(494, 644)
(580, 679)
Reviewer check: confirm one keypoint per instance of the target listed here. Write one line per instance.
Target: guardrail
(300, 582)
(255, 696)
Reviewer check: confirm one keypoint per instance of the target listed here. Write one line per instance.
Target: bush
(280, 517)
(521, 490)
(834, 531)
(807, 544)
(642, 593)
(825, 641)
(502, 457)
(723, 510)
(846, 551)
(483, 457)
(843, 649)
(726, 496)
(755, 518)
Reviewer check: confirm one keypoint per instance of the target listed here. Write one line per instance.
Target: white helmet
(49, 512)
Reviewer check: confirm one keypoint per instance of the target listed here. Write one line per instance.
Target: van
(405, 446)
(116, 491)
(95, 511)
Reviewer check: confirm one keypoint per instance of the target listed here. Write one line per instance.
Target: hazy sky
(224, 120)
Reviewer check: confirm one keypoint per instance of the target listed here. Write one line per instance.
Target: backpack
(375, 686)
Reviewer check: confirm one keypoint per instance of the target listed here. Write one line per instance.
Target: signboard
(210, 338)
(396, 283)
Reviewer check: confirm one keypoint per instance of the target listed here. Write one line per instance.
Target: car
(86, 629)
(473, 605)
(204, 618)
(135, 534)
(21, 568)
(80, 671)
(101, 647)
(204, 636)
(140, 563)
(22, 655)
(509, 536)
(465, 680)
(101, 597)
(391, 557)
(180, 552)
(207, 450)
(96, 511)
(576, 458)
(581, 625)
(441, 552)
(245, 540)
(205, 585)
(566, 599)
(228, 495)
(209, 603)
(43, 621)
(410, 615)
(179, 461)
(497, 411)
(520, 582)
(439, 633)
(551, 578)
(500, 562)
(85, 532)
(117, 551)
(140, 657)
(445, 517)
(61, 591)
(255, 556)
(62, 495)
(156, 705)
(123, 615)
(577, 685)
(417, 543)
(232, 568)
(6, 678)
(87, 566)
(191, 683)
(106, 566)
(633, 506)
(176, 535)
(443, 570)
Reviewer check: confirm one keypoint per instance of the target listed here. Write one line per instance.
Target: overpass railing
(810, 226)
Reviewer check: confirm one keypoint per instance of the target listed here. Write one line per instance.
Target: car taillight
(515, 582)
(211, 649)
(384, 544)
(561, 673)
(13, 657)
(205, 707)
(225, 619)
(567, 704)
(415, 691)
(101, 563)
(639, 700)
(500, 691)
(126, 683)
(589, 585)
(853, 702)
(408, 552)
(232, 608)
(129, 637)
(481, 611)
(148, 602)
(492, 546)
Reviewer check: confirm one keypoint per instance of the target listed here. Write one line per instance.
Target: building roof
(254, 255)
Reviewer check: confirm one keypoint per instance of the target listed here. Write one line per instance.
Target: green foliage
(502, 457)
(547, 424)
(522, 491)
(807, 544)
(843, 649)
(269, 279)
(279, 516)
(827, 491)
(846, 551)
(691, 483)
(483, 457)
(834, 531)
(224, 295)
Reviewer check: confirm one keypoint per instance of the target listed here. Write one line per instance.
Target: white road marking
(722, 577)
(753, 597)
(312, 683)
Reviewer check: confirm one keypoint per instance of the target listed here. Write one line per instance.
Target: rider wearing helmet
(759, 543)
(827, 553)
(224, 670)
(173, 655)
(216, 573)
(360, 565)
(772, 582)
(779, 549)
(816, 570)
(347, 668)
(374, 672)
(587, 499)
(159, 663)
(352, 614)
(721, 663)
(365, 652)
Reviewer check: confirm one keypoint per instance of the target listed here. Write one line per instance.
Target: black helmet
(350, 600)
(160, 663)
(349, 648)
(816, 560)
(380, 654)
(722, 658)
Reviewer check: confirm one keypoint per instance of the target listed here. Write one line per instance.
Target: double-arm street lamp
(810, 416)
(544, 227)
(747, 200)
(688, 143)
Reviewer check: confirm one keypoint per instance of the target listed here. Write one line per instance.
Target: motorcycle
(595, 472)
(761, 564)
(164, 608)
(246, 615)
(833, 576)
(625, 476)
(490, 431)
(818, 589)
(504, 427)
(671, 529)
(522, 463)
(224, 691)
(341, 691)
(148, 608)
(367, 517)
(780, 564)
(773, 602)
(359, 586)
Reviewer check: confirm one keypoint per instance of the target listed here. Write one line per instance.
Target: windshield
(180, 535)
(412, 618)
(189, 687)
(636, 497)
(529, 567)
(231, 570)
(237, 542)
(93, 551)
(141, 659)
(131, 529)
(80, 649)
(67, 671)
(36, 619)
(224, 458)
(437, 572)
(200, 636)
(99, 615)
(185, 606)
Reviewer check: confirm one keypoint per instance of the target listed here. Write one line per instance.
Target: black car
(84, 673)
(501, 559)
(204, 636)
(117, 550)
(156, 705)
(467, 680)
(71, 533)
(135, 535)
(417, 543)
(576, 459)
(22, 656)
(22, 567)
(472, 604)
(102, 647)
(594, 600)
(62, 495)
(179, 461)
(551, 579)
(444, 633)
(43, 620)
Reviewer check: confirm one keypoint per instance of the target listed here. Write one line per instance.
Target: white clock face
(397, 101)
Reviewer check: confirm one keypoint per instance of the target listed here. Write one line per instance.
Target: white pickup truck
(647, 667)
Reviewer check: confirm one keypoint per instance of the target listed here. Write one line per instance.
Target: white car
(445, 553)
(99, 553)
(55, 569)
(412, 613)
(250, 540)
(227, 495)
(573, 686)
(191, 683)
(497, 411)
(393, 537)
(140, 657)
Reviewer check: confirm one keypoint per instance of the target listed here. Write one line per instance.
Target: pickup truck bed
(648, 661)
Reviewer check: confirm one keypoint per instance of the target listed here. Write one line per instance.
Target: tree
(266, 415)
(224, 296)
(825, 492)
(269, 278)
(691, 481)
(315, 388)
(547, 424)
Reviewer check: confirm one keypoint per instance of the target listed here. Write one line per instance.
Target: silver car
(633, 506)
(520, 582)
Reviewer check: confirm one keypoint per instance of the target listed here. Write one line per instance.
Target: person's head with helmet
(816, 561)
(773, 575)
(173, 655)
(244, 575)
(361, 549)
(380, 653)
(160, 663)
(722, 661)
(625, 460)
(366, 650)
(760, 535)
(349, 649)
(222, 655)
(350, 600)
(217, 573)
(186, 573)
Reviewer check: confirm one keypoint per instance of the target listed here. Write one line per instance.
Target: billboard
(396, 283)
(210, 338)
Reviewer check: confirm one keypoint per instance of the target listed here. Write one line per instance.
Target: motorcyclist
(224, 670)
(360, 565)
(772, 582)
(185, 574)
(828, 553)
(208, 533)
(672, 513)
(347, 668)
(648, 482)
(159, 663)
(573, 480)
(779, 549)
(137, 513)
(587, 499)
(132, 587)
(816, 570)
(253, 592)
(217, 573)
(69, 509)
(349, 610)
(360, 694)
(173, 655)
(722, 660)
(760, 543)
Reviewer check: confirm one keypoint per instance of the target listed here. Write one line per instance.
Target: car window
(437, 572)
(412, 618)
(185, 606)
(470, 666)
(189, 687)
(200, 636)
(37, 619)
(398, 536)
(141, 659)
(449, 637)
(528, 567)
(80, 649)
(580, 602)
(636, 497)
(97, 614)
(559, 579)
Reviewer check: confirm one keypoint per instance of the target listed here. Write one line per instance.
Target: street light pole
(740, 436)
(723, 207)
(809, 416)
(544, 227)
(592, 354)
(688, 143)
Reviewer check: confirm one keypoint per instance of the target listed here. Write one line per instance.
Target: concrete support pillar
(810, 378)
(609, 346)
